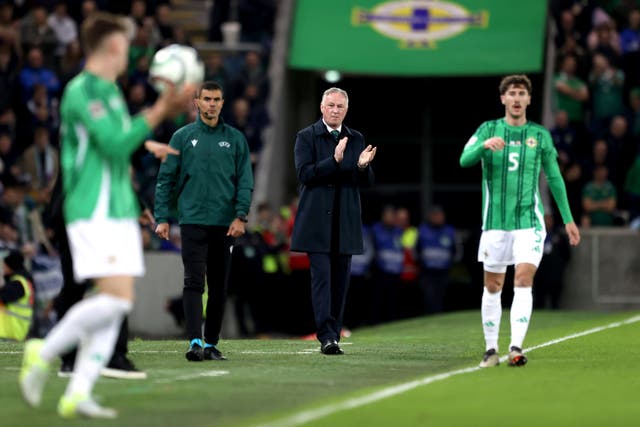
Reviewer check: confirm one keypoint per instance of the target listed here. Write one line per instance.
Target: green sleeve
(244, 186)
(105, 129)
(166, 182)
(474, 148)
(555, 180)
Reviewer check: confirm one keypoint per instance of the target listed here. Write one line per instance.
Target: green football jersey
(510, 177)
(98, 137)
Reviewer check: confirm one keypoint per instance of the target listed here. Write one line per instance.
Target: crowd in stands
(596, 92)
(40, 52)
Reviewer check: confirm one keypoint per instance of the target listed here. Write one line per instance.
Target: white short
(105, 247)
(499, 249)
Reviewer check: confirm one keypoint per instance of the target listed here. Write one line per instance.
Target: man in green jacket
(211, 182)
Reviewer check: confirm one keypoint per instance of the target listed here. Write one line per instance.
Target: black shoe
(195, 353)
(331, 347)
(122, 368)
(66, 370)
(212, 353)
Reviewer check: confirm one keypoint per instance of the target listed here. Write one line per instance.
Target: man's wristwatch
(242, 218)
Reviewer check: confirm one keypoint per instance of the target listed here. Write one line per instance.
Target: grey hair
(335, 90)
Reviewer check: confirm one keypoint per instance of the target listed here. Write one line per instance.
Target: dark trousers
(72, 292)
(330, 275)
(434, 285)
(206, 249)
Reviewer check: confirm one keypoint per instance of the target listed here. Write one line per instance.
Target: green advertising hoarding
(419, 37)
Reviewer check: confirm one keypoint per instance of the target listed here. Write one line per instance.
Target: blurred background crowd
(413, 263)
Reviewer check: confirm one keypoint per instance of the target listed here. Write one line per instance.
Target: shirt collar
(329, 128)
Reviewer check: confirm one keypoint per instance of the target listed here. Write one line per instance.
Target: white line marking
(305, 351)
(192, 376)
(323, 411)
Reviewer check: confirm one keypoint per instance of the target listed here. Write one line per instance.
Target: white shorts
(105, 247)
(499, 249)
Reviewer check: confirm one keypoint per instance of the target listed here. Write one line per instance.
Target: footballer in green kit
(513, 151)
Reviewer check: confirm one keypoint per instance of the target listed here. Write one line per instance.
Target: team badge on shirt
(224, 144)
(194, 142)
(532, 142)
(96, 109)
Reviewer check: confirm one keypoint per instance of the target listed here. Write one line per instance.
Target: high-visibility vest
(410, 263)
(15, 317)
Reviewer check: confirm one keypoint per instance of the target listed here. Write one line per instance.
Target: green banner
(419, 37)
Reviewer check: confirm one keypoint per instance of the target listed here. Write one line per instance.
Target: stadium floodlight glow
(332, 76)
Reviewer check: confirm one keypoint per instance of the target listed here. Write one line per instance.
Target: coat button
(330, 185)
(329, 212)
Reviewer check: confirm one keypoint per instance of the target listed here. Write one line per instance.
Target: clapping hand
(366, 156)
(338, 154)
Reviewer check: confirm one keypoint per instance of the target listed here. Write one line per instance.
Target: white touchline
(191, 376)
(323, 411)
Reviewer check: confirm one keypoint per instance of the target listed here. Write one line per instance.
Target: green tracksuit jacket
(211, 180)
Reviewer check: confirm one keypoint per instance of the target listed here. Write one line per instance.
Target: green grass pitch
(419, 372)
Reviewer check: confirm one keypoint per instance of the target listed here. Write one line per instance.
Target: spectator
(8, 77)
(604, 39)
(35, 72)
(16, 210)
(387, 266)
(622, 150)
(564, 139)
(36, 32)
(141, 46)
(630, 36)
(359, 294)
(249, 124)
(549, 279)
(599, 199)
(164, 26)
(408, 293)
(632, 191)
(40, 163)
(71, 63)
(583, 60)
(571, 93)
(8, 157)
(215, 69)
(43, 109)
(16, 298)
(436, 249)
(607, 83)
(566, 29)
(10, 28)
(64, 28)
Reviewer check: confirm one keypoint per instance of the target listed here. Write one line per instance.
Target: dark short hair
(15, 260)
(99, 26)
(209, 85)
(515, 80)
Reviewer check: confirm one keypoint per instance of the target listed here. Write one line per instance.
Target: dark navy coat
(319, 176)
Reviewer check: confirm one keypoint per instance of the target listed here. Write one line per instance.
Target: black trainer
(66, 369)
(122, 368)
(212, 353)
(195, 353)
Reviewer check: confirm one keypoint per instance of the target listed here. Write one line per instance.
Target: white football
(176, 63)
